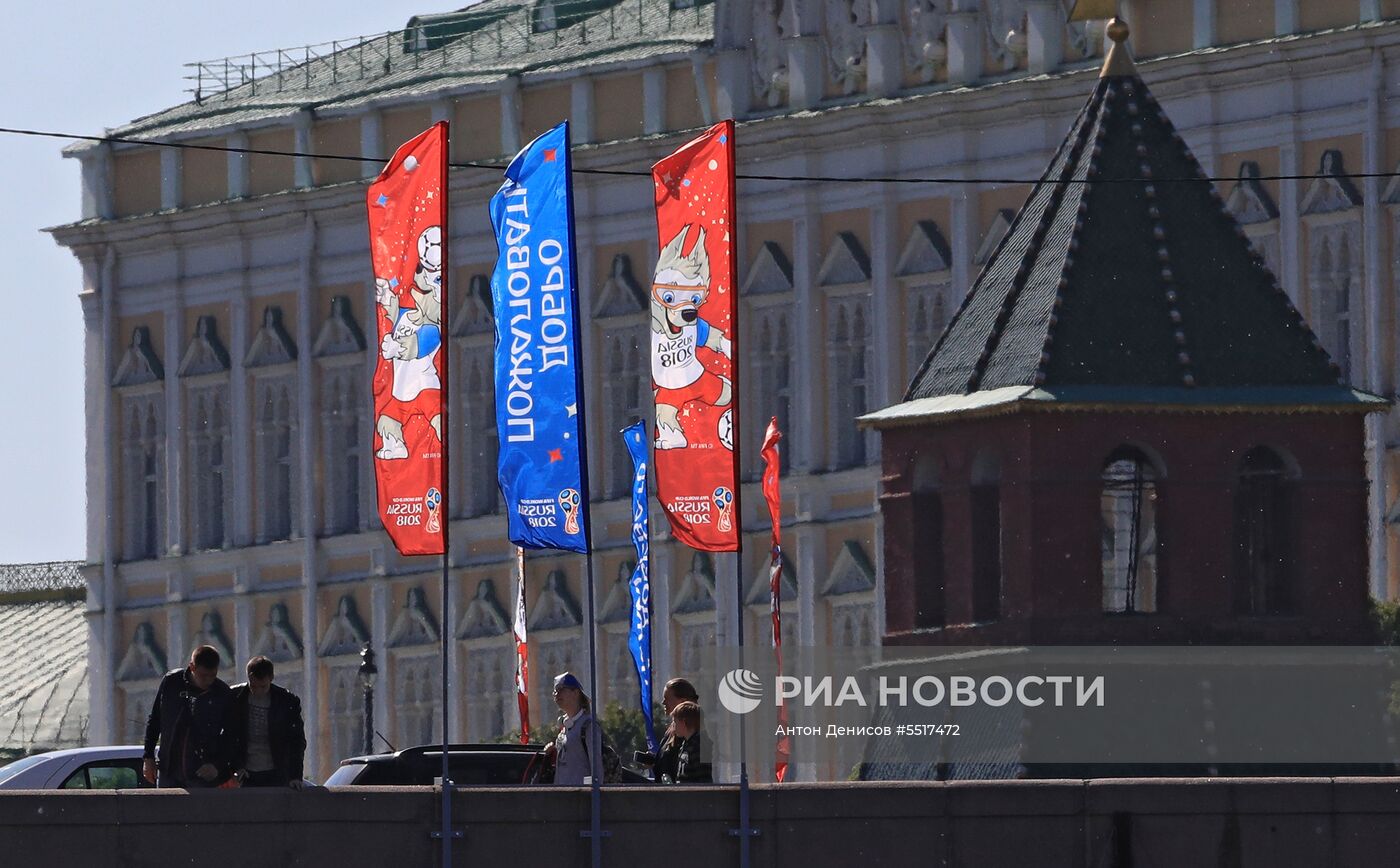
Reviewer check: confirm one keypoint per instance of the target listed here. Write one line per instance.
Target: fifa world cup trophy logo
(432, 501)
(568, 501)
(724, 502)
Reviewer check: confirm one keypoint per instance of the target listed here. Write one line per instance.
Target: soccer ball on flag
(726, 430)
(430, 248)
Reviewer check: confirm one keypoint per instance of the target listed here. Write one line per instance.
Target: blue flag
(539, 398)
(639, 636)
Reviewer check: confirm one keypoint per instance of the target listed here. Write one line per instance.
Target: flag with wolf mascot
(694, 372)
(407, 206)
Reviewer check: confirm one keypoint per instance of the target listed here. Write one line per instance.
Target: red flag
(693, 316)
(407, 218)
(522, 650)
(774, 496)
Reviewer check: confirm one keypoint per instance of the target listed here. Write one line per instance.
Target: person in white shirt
(569, 750)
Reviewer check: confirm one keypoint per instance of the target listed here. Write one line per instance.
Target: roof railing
(476, 35)
(40, 577)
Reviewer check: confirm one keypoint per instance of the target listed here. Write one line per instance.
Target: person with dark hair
(664, 762)
(264, 735)
(685, 725)
(186, 721)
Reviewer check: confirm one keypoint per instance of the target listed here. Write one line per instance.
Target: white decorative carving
(770, 70)
(271, 345)
(205, 353)
(770, 273)
(139, 364)
(339, 334)
(1333, 190)
(1249, 202)
(845, 41)
(1005, 25)
(926, 37)
(474, 316)
(845, 263)
(415, 624)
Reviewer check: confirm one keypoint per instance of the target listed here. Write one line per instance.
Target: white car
(83, 768)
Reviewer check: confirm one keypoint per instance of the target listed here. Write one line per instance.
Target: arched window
(927, 547)
(1262, 524)
(986, 538)
(1128, 510)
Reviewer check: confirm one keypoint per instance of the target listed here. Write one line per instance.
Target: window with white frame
(695, 638)
(343, 434)
(848, 381)
(143, 468)
(853, 623)
(926, 318)
(1335, 278)
(623, 403)
(346, 707)
(1331, 213)
(275, 449)
(137, 703)
(482, 445)
(492, 710)
(418, 700)
(772, 372)
(622, 683)
(210, 454)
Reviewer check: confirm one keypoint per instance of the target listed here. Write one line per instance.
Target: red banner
(694, 299)
(773, 495)
(522, 650)
(407, 219)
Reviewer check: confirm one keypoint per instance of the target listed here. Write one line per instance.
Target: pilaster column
(237, 166)
(371, 143)
(806, 76)
(653, 100)
(174, 427)
(1045, 37)
(97, 182)
(884, 50)
(1203, 23)
(964, 47)
(303, 176)
(732, 89)
(510, 115)
(1286, 16)
(171, 164)
(581, 110)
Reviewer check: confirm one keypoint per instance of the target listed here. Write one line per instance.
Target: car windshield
(345, 775)
(14, 768)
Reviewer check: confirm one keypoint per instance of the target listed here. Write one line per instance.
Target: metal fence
(50, 576)
(493, 33)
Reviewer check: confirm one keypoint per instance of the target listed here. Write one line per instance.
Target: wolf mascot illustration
(412, 347)
(679, 290)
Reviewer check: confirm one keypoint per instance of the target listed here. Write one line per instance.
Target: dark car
(491, 765)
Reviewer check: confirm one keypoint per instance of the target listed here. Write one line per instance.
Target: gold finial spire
(1119, 60)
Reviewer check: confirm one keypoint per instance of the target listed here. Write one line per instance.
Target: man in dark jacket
(186, 720)
(264, 735)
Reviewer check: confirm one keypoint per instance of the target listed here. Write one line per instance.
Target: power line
(825, 179)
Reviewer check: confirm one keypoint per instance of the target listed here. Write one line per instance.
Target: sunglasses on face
(672, 296)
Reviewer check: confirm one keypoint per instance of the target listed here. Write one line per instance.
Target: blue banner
(639, 636)
(539, 400)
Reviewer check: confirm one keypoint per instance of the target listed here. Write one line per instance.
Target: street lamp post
(368, 673)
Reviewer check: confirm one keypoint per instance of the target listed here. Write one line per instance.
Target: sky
(83, 68)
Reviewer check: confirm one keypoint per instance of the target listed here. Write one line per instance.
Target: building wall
(300, 248)
(1051, 525)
